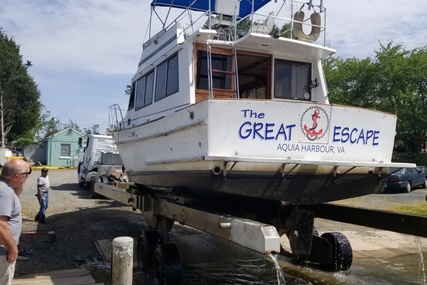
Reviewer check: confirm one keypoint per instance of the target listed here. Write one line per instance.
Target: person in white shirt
(43, 187)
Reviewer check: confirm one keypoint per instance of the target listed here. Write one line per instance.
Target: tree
(351, 82)
(394, 81)
(46, 126)
(404, 92)
(19, 96)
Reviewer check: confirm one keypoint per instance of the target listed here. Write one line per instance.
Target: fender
(315, 30)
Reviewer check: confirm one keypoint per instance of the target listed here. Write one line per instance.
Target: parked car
(405, 179)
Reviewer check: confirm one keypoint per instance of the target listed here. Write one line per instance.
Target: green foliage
(285, 31)
(244, 25)
(394, 81)
(18, 92)
(350, 82)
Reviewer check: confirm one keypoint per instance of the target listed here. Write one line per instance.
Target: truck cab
(100, 160)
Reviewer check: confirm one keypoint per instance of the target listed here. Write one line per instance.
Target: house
(60, 149)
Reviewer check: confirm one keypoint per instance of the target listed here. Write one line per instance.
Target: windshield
(395, 170)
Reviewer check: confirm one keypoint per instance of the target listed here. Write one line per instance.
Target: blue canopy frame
(203, 5)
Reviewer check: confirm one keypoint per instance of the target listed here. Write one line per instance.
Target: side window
(140, 92)
(144, 90)
(161, 80)
(149, 87)
(166, 83)
(172, 84)
(291, 79)
(167, 78)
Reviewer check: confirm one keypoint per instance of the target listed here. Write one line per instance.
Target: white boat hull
(300, 152)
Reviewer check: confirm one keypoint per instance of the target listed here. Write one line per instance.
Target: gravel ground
(77, 220)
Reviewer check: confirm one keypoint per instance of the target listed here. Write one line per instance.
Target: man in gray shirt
(13, 176)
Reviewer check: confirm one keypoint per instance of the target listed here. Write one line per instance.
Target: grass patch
(418, 208)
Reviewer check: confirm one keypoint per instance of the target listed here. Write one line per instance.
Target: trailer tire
(342, 253)
(166, 264)
(92, 188)
(146, 245)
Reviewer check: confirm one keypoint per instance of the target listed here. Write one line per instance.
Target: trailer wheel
(166, 264)
(342, 253)
(146, 245)
(92, 188)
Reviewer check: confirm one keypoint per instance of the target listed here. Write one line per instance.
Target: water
(258, 269)
(280, 278)
(212, 261)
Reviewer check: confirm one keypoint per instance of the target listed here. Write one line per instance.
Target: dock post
(122, 261)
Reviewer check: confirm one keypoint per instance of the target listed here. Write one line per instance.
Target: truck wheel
(166, 264)
(92, 188)
(146, 245)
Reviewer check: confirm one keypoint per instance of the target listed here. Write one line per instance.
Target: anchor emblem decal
(311, 132)
(317, 116)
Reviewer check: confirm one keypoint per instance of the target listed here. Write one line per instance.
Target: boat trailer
(332, 251)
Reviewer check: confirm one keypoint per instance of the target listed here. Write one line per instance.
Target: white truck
(100, 162)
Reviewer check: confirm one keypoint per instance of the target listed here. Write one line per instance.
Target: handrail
(115, 118)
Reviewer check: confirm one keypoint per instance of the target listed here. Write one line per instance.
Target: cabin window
(140, 92)
(167, 81)
(291, 79)
(161, 79)
(172, 84)
(221, 71)
(149, 87)
(144, 90)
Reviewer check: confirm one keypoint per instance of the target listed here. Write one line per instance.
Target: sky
(85, 52)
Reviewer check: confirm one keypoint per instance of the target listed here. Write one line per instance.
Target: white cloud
(96, 36)
(355, 28)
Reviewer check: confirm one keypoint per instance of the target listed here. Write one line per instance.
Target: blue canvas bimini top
(203, 5)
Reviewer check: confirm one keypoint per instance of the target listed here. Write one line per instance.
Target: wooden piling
(122, 261)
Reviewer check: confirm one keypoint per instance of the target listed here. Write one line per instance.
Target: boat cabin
(232, 50)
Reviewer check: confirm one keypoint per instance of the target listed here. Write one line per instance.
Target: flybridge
(238, 17)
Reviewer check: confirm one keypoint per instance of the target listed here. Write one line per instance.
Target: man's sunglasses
(28, 173)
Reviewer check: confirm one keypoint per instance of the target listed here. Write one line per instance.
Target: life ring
(315, 29)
